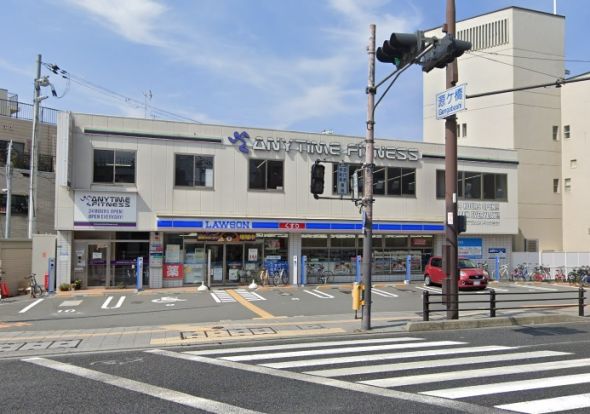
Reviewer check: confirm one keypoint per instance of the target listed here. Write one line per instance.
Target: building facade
(16, 125)
(181, 194)
(513, 48)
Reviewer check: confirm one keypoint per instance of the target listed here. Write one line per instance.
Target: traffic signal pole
(367, 202)
(450, 247)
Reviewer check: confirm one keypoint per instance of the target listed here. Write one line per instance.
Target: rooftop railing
(19, 110)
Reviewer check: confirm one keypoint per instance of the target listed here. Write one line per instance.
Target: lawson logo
(227, 224)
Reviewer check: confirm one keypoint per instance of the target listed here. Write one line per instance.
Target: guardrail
(494, 300)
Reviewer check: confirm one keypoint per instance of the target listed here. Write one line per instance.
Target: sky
(297, 65)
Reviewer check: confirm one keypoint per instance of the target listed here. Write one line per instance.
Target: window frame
(566, 132)
(194, 157)
(114, 166)
(475, 176)
(387, 172)
(266, 162)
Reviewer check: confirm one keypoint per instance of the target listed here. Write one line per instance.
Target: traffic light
(444, 52)
(461, 224)
(401, 48)
(317, 178)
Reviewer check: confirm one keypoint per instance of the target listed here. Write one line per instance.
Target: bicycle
(263, 277)
(520, 272)
(560, 276)
(540, 274)
(504, 271)
(320, 274)
(36, 288)
(280, 277)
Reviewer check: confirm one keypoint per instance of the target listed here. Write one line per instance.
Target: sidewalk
(19, 344)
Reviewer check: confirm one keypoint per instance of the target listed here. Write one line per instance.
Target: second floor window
(114, 166)
(193, 171)
(265, 175)
(19, 204)
(475, 185)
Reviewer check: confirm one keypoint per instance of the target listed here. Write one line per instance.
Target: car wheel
(427, 281)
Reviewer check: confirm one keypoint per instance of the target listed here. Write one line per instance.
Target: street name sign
(450, 101)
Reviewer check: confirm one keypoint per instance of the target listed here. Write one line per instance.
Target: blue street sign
(450, 102)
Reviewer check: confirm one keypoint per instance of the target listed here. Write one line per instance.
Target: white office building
(175, 193)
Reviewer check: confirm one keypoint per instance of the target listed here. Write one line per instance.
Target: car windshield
(466, 264)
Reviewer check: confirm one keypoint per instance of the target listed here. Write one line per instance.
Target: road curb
(491, 322)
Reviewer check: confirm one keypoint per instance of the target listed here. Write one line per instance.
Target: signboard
(342, 179)
(104, 209)
(471, 248)
(497, 250)
(173, 272)
(450, 102)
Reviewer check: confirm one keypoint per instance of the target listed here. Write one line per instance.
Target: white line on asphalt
(319, 294)
(383, 293)
(535, 287)
(431, 289)
(549, 405)
(249, 296)
(26, 308)
(497, 289)
(372, 369)
(106, 303)
(477, 373)
(347, 350)
(142, 388)
(300, 345)
(222, 296)
(510, 386)
(331, 382)
(380, 357)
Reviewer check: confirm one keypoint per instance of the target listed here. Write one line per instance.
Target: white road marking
(549, 405)
(431, 289)
(535, 287)
(383, 293)
(26, 308)
(142, 388)
(300, 345)
(66, 303)
(372, 369)
(477, 373)
(249, 296)
(168, 299)
(380, 357)
(319, 294)
(510, 386)
(347, 350)
(220, 296)
(106, 303)
(331, 382)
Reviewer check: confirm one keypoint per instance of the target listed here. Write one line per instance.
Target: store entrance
(233, 263)
(98, 257)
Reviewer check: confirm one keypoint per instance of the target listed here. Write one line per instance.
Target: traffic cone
(4, 289)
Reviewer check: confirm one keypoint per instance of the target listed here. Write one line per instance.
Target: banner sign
(471, 248)
(105, 209)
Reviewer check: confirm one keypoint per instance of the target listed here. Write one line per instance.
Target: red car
(470, 275)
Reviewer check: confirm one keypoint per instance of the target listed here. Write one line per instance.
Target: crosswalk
(514, 378)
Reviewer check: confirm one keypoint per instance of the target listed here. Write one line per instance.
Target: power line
(530, 57)
(110, 93)
(517, 66)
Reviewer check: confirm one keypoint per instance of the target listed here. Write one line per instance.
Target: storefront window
(343, 240)
(314, 240)
(195, 262)
(396, 241)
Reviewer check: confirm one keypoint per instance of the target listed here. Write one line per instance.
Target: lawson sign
(105, 209)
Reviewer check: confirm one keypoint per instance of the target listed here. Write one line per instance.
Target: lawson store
(177, 194)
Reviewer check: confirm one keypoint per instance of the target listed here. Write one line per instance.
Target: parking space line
(106, 303)
(26, 308)
(379, 292)
(435, 290)
(319, 294)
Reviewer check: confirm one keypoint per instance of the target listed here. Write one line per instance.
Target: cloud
(135, 20)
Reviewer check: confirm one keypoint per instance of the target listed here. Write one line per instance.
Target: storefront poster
(471, 248)
(104, 209)
(252, 255)
(173, 271)
(173, 253)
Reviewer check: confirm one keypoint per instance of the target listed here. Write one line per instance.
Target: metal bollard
(492, 303)
(581, 301)
(425, 306)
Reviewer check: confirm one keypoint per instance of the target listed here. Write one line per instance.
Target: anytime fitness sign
(245, 144)
(104, 209)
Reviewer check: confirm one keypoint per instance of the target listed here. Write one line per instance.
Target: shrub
(64, 287)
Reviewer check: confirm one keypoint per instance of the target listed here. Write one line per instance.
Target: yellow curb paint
(282, 334)
(77, 335)
(240, 299)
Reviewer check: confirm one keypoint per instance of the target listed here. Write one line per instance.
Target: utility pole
(367, 202)
(33, 152)
(8, 204)
(450, 246)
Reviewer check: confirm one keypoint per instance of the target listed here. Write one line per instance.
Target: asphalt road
(83, 311)
(520, 368)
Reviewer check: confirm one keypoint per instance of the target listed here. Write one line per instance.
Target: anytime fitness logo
(240, 138)
(106, 201)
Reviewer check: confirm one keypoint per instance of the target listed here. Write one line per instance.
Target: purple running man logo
(241, 138)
